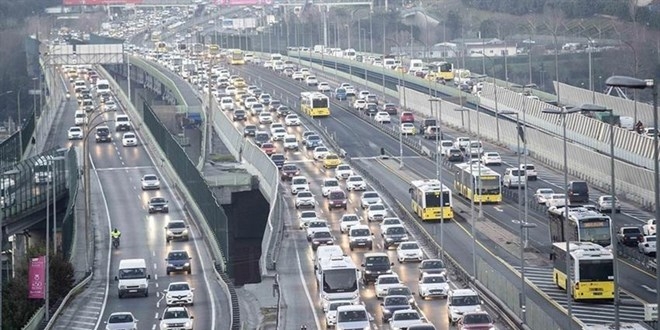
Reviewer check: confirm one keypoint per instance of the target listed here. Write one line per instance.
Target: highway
(119, 202)
(365, 142)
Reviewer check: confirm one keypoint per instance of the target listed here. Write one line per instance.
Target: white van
(415, 66)
(227, 103)
(132, 278)
(530, 170)
(627, 122)
(80, 118)
(514, 177)
(326, 252)
(460, 302)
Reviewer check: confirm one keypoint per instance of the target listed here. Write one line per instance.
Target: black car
(371, 109)
(401, 290)
(261, 137)
(321, 238)
(283, 111)
(427, 123)
(390, 108)
(337, 200)
(454, 155)
(394, 235)
(158, 204)
(288, 171)
(375, 264)
(249, 130)
(392, 304)
(103, 134)
(239, 115)
(278, 159)
(178, 261)
(432, 266)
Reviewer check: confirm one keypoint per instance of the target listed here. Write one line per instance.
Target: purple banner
(37, 278)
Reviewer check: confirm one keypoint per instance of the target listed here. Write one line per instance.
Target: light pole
(563, 112)
(438, 169)
(634, 83)
(472, 217)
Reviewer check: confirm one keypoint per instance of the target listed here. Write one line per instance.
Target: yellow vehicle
(584, 225)
(592, 270)
(478, 183)
(331, 161)
(238, 95)
(441, 71)
(161, 47)
(213, 50)
(431, 200)
(236, 57)
(240, 83)
(315, 104)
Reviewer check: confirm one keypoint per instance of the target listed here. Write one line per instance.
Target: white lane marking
(197, 250)
(304, 285)
(153, 327)
(156, 317)
(107, 269)
(124, 168)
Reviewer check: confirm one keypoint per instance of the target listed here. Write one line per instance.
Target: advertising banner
(243, 2)
(99, 2)
(37, 278)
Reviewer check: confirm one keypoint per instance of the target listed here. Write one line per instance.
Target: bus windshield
(599, 235)
(433, 199)
(490, 186)
(340, 280)
(596, 270)
(320, 103)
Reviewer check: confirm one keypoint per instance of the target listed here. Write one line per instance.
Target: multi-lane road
(119, 202)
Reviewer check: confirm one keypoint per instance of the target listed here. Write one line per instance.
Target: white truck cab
(460, 302)
(132, 278)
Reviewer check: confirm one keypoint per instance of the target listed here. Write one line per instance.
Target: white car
(305, 199)
(445, 146)
(362, 95)
(409, 251)
(355, 182)
(297, 76)
(176, 318)
(75, 133)
(433, 285)
(298, 184)
(179, 293)
(226, 103)
(290, 142)
(555, 200)
(274, 126)
(402, 319)
(542, 195)
(265, 118)
(250, 101)
(328, 186)
(129, 140)
(491, 158)
(376, 212)
(343, 171)
(305, 217)
(292, 120)
(649, 227)
(369, 198)
(382, 117)
(230, 90)
(150, 181)
(646, 245)
(320, 152)
(359, 104)
(121, 320)
(388, 222)
(384, 282)
(80, 118)
(278, 134)
(324, 87)
(604, 204)
(331, 312)
(311, 81)
(110, 105)
(347, 221)
(314, 226)
(462, 142)
(408, 129)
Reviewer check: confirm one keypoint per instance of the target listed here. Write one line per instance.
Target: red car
(475, 321)
(268, 148)
(407, 117)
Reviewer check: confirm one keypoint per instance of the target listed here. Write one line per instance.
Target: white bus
(337, 279)
(275, 57)
(102, 87)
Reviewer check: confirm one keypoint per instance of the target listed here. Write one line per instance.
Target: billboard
(99, 2)
(243, 2)
(37, 278)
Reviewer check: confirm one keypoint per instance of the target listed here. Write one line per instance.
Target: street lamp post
(634, 83)
(472, 217)
(438, 169)
(563, 112)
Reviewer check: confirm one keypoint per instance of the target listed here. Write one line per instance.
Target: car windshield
(177, 256)
(121, 318)
(337, 195)
(331, 157)
(545, 191)
(360, 232)
(179, 287)
(175, 314)
(370, 195)
(395, 230)
(289, 168)
(406, 316)
(349, 218)
(355, 179)
(321, 149)
(479, 318)
(391, 222)
(376, 207)
(396, 301)
(132, 273)
(334, 306)
(317, 224)
(176, 225)
(304, 194)
(351, 316)
(322, 234)
(409, 246)
(331, 183)
(388, 280)
(278, 157)
(313, 138)
(400, 290)
(465, 301)
(308, 214)
(157, 200)
(343, 168)
(435, 264)
(434, 279)
(300, 181)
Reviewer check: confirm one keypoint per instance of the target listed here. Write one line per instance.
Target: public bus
(478, 183)
(592, 270)
(441, 71)
(431, 200)
(315, 104)
(213, 50)
(236, 57)
(585, 225)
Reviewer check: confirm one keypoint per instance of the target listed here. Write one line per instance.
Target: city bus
(315, 104)
(592, 270)
(431, 200)
(478, 183)
(585, 225)
(236, 57)
(441, 71)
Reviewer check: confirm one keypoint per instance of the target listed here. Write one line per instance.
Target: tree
(16, 307)
(454, 25)
(488, 29)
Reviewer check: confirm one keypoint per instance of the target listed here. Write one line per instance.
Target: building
(491, 47)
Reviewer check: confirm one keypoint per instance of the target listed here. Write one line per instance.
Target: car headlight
(188, 324)
(386, 311)
(187, 264)
(142, 286)
(122, 287)
(170, 233)
(367, 272)
(170, 265)
(389, 239)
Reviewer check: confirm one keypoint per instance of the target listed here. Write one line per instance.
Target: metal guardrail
(160, 76)
(72, 293)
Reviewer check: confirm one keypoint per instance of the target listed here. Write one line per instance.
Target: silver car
(150, 181)
(121, 321)
(369, 198)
